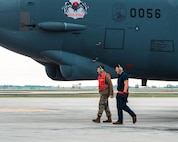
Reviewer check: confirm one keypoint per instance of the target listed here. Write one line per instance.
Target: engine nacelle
(54, 73)
(72, 67)
(66, 73)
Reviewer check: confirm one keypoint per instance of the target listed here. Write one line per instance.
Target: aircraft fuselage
(72, 37)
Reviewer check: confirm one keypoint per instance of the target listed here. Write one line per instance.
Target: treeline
(39, 87)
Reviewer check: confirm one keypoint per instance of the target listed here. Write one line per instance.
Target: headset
(120, 68)
(101, 68)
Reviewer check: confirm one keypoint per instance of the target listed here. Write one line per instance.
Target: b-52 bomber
(72, 37)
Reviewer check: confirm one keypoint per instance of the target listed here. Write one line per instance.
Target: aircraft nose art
(75, 9)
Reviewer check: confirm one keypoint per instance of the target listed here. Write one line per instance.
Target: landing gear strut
(144, 81)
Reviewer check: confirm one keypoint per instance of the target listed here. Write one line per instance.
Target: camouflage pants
(104, 106)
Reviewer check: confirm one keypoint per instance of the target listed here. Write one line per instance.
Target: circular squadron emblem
(119, 12)
(75, 9)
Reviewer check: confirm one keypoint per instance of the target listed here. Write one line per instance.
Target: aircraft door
(114, 39)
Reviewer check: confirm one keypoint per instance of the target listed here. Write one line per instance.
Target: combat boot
(134, 119)
(109, 120)
(97, 120)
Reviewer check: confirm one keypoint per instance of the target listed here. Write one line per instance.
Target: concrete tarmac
(70, 120)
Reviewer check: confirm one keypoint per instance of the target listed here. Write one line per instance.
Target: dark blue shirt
(120, 81)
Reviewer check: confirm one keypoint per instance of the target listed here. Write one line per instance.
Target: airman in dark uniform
(122, 95)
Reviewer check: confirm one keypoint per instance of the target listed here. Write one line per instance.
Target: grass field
(138, 92)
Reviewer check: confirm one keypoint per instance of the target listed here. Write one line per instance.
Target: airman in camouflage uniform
(105, 90)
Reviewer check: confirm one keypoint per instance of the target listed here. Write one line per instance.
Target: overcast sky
(21, 70)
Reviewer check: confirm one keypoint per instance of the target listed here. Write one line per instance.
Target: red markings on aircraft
(75, 4)
(128, 66)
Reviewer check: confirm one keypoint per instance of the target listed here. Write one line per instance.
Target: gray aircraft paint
(72, 37)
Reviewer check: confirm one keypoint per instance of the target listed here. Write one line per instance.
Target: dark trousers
(121, 105)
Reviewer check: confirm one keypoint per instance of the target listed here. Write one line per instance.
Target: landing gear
(144, 81)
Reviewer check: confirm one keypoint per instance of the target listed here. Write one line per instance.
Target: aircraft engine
(66, 72)
(70, 66)
(54, 73)
(78, 72)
